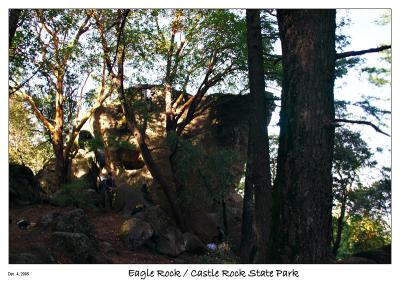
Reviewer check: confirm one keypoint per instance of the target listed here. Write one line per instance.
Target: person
(107, 186)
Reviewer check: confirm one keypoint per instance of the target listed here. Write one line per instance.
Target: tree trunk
(340, 221)
(248, 210)
(258, 139)
(59, 158)
(154, 169)
(303, 206)
(13, 18)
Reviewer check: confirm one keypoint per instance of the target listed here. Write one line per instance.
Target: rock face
(24, 188)
(221, 128)
(134, 233)
(202, 224)
(47, 178)
(38, 254)
(77, 246)
(128, 199)
(73, 237)
(129, 158)
(74, 221)
(170, 242)
(156, 217)
(381, 255)
(193, 244)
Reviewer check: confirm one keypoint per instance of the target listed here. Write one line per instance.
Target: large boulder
(83, 170)
(76, 246)
(128, 200)
(129, 158)
(170, 242)
(134, 233)
(37, 254)
(202, 224)
(24, 188)
(156, 217)
(357, 260)
(48, 220)
(381, 255)
(74, 221)
(193, 244)
(47, 178)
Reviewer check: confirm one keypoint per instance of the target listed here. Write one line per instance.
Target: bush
(74, 194)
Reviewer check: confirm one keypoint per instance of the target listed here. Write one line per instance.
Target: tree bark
(340, 221)
(260, 177)
(302, 214)
(248, 210)
(13, 21)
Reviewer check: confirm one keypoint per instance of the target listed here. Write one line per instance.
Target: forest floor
(107, 225)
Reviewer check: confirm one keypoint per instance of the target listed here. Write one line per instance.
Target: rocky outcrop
(74, 221)
(193, 244)
(134, 233)
(202, 223)
(170, 242)
(47, 178)
(381, 255)
(128, 200)
(38, 254)
(24, 188)
(156, 217)
(76, 246)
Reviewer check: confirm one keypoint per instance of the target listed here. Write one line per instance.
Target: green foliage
(72, 194)
(362, 234)
(381, 75)
(368, 222)
(374, 201)
(26, 146)
(351, 153)
(204, 176)
(366, 234)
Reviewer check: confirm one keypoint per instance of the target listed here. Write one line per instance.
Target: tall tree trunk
(59, 157)
(303, 199)
(340, 221)
(246, 242)
(258, 139)
(58, 140)
(14, 18)
(154, 169)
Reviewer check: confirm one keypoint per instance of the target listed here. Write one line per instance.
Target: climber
(107, 189)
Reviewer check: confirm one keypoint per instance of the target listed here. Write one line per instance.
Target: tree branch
(275, 58)
(361, 52)
(38, 114)
(360, 122)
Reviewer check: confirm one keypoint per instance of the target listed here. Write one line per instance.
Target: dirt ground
(107, 225)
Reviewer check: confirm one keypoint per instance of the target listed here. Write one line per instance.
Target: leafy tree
(26, 145)
(49, 42)
(351, 154)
